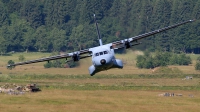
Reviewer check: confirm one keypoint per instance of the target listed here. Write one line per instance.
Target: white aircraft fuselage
(103, 58)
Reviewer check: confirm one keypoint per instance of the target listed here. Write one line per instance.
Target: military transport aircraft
(103, 56)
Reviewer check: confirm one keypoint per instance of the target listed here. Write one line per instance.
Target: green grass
(107, 82)
(73, 89)
(100, 100)
(193, 56)
(5, 77)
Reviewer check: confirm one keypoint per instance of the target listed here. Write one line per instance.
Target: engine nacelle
(75, 57)
(127, 44)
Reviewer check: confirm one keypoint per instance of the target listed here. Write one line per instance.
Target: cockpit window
(101, 53)
(97, 54)
(105, 52)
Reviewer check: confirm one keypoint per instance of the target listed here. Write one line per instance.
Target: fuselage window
(97, 54)
(105, 52)
(101, 53)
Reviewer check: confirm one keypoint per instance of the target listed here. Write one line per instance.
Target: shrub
(140, 61)
(48, 65)
(21, 58)
(184, 60)
(197, 66)
(161, 59)
(10, 62)
(198, 58)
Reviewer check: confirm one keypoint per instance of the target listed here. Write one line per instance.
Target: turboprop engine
(75, 57)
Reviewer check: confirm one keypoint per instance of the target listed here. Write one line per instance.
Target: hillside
(67, 25)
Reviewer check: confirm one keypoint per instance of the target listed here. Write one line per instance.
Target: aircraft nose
(103, 61)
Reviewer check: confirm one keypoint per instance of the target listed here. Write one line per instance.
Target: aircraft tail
(98, 32)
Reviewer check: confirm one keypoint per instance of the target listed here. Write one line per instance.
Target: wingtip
(192, 20)
(10, 65)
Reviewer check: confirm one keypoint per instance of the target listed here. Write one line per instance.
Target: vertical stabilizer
(98, 33)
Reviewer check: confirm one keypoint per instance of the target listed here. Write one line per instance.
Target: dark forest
(67, 25)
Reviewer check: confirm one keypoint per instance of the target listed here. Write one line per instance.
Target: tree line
(67, 25)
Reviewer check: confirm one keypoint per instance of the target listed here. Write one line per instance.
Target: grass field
(100, 101)
(126, 90)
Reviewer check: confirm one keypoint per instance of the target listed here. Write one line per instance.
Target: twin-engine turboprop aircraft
(103, 56)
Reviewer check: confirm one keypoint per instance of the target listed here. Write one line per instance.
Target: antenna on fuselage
(98, 33)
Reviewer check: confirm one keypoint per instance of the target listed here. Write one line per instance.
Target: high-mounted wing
(74, 55)
(127, 42)
(120, 44)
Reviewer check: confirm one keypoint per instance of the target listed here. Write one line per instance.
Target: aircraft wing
(76, 56)
(126, 42)
(122, 43)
